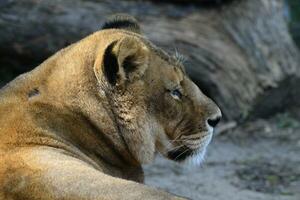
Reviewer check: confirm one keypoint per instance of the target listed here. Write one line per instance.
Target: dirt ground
(256, 161)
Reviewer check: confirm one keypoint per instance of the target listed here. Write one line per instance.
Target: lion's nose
(214, 114)
(214, 121)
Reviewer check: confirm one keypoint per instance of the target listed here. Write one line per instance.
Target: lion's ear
(125, 60)
(122, 21)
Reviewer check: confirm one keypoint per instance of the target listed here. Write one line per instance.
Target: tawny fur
(67, 133)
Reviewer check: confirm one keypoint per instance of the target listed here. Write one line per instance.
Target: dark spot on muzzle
(34, 92)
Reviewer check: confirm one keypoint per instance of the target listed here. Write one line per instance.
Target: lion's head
(156, 106)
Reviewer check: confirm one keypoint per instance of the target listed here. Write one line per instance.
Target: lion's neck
(97, 133)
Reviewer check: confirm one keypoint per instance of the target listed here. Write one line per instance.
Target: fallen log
(240, 53)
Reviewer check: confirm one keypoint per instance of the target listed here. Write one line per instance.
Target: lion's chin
(196, 159)
(188, 156)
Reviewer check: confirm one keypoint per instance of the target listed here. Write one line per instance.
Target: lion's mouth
(192, 148)
(180, 154)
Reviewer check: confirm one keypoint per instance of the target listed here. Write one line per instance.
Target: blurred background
(242, 53)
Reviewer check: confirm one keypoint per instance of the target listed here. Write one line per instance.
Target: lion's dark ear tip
(122, 21)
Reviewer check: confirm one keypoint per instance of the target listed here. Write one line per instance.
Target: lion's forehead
(172, 60)
(171, 69)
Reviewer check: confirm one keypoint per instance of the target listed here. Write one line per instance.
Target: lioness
(80, 125)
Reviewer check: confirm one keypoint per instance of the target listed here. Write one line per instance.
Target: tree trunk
(239, 53)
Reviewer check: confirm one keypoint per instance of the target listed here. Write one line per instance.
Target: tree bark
(240, 53)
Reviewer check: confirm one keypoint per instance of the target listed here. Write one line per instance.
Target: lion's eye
(176, 94)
